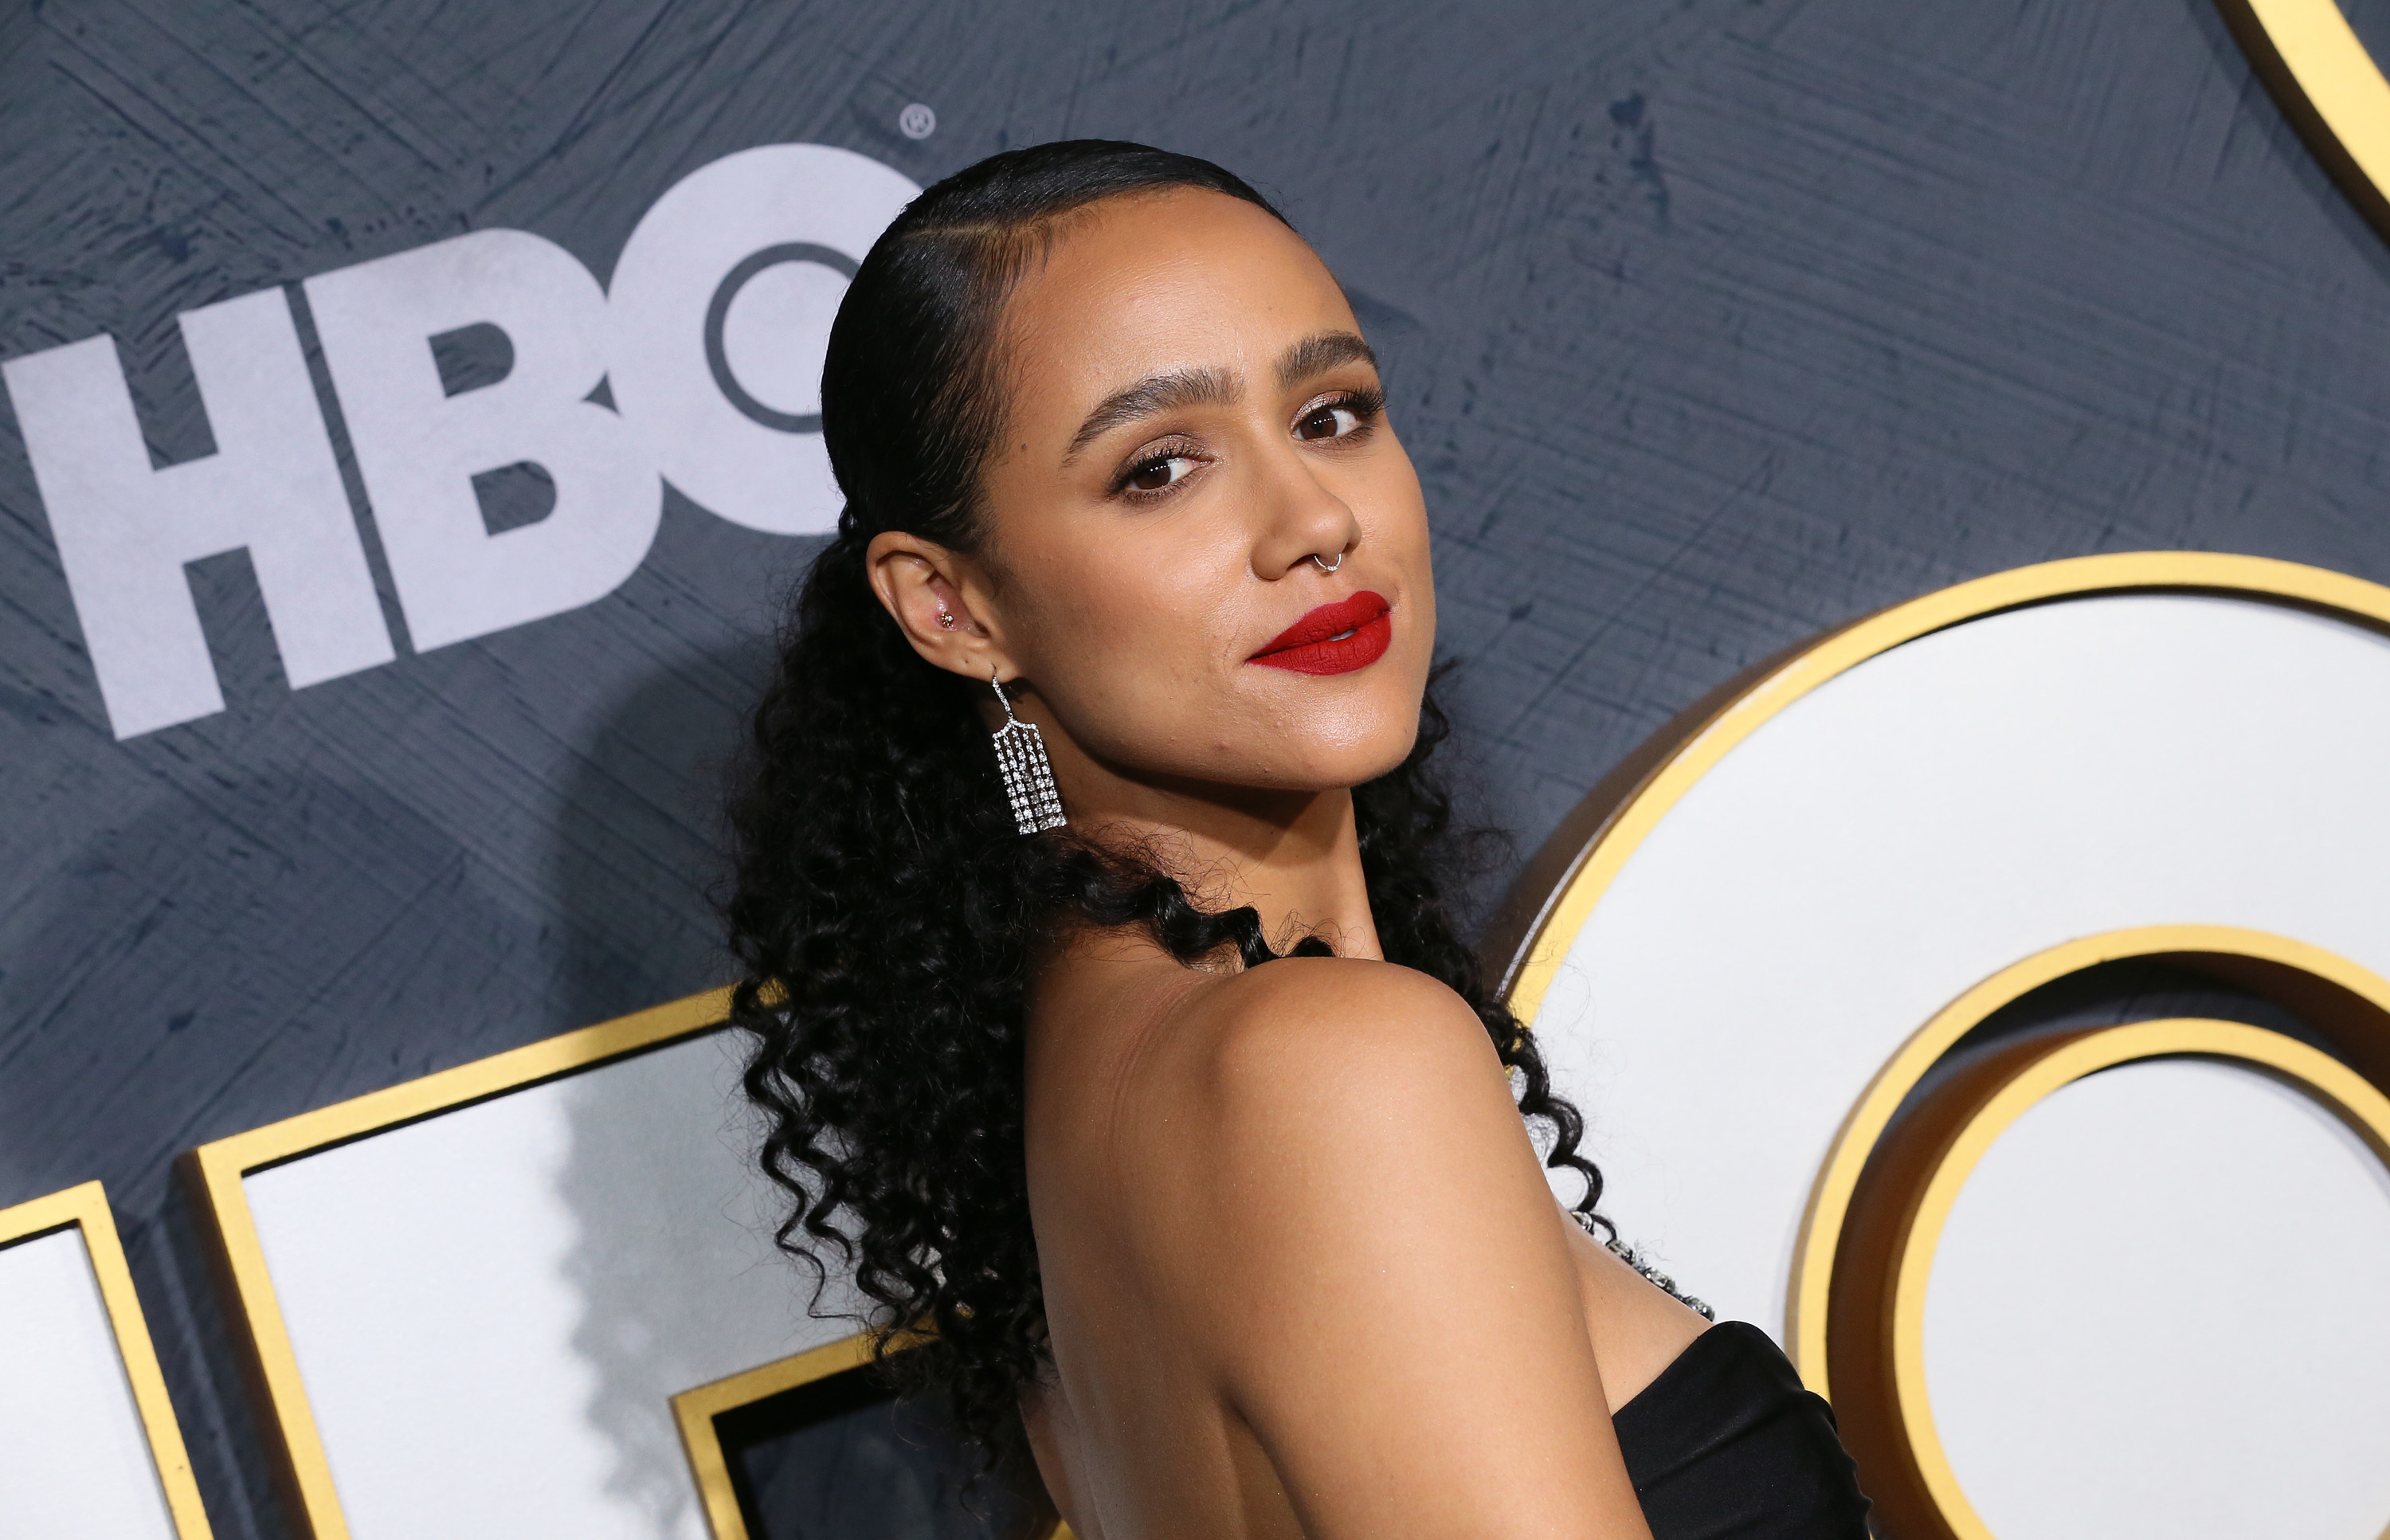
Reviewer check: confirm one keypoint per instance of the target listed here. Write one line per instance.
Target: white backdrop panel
(490, 1308)
(1923, 820)
(73, 1458)
(2163, 1284)
(1939, 812)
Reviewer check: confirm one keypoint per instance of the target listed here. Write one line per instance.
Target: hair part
(912, 398)
(882, 909)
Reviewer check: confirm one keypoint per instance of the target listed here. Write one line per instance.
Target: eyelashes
(1366, 407)
(1157, 470)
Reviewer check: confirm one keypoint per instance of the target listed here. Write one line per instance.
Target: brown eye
(1327, 422)
(1157, 473)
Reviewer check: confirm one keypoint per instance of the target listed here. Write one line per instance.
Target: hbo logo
(710, 343)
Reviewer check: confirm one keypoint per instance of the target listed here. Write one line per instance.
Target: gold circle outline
(1824, 1223)
(1560, 887)
(2328, 86)
(1569, 876)
(1557, 894)
(2339, 1089)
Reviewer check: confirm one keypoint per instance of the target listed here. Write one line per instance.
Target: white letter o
(673, 323)
(1761, 935)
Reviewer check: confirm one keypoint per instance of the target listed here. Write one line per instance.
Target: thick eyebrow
(1161, 392)
(1315, 354)
(1319, 352)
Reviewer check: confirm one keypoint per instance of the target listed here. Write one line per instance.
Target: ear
(922, 584)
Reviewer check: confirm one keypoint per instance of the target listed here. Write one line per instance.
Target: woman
(1176, 1118)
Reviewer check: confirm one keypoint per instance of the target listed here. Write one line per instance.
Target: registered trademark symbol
(917, 122)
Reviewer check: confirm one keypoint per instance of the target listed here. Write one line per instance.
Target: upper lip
(1328, 619)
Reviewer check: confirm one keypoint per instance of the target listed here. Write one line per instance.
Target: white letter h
(125, 532)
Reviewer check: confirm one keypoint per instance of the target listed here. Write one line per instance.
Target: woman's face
(1191, 418)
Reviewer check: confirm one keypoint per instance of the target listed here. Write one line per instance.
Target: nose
(1303, 517)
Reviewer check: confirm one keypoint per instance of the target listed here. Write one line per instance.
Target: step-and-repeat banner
(1910, 495)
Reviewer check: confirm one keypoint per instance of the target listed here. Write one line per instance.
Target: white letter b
(419, 448)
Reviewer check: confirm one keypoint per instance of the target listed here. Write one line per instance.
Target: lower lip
(1358, 649)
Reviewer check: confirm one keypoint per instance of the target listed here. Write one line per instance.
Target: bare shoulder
(1330, 1212)
(1295, 1095)
(1300, 1028)
(1361, 1253)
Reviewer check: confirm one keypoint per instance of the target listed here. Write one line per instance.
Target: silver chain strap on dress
(1028, 778)
(1651, 1275)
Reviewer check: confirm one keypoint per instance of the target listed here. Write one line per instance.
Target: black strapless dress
(1726, 1442)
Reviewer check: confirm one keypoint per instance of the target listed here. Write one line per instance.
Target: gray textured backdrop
(1711, 323)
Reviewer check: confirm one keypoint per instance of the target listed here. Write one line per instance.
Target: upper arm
(1385, 1293)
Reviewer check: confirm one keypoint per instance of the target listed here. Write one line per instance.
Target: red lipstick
(1334, 638)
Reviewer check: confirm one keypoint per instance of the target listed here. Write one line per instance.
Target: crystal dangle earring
(1028, 778)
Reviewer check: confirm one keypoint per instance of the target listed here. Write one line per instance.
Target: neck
(1294, 855)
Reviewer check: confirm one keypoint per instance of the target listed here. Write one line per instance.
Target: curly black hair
(883, 910)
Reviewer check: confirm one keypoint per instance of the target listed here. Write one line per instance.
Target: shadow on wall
(679, 1286)
(673, 1262)
(636, 848)
(672, 1256)
(637, 843)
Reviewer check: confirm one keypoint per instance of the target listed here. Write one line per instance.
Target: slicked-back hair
(881, 905)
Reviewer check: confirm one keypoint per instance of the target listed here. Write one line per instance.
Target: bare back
(1303, 1275)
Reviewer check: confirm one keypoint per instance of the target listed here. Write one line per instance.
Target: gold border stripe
(2328, 86)
(450, 1089)
(1536, 961)
(1822, 1226)
(694, 1411)
(86, 1208)
(2362, 1108)
(215, 1172)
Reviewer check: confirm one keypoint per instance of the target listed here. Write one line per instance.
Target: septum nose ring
(1326, 566)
